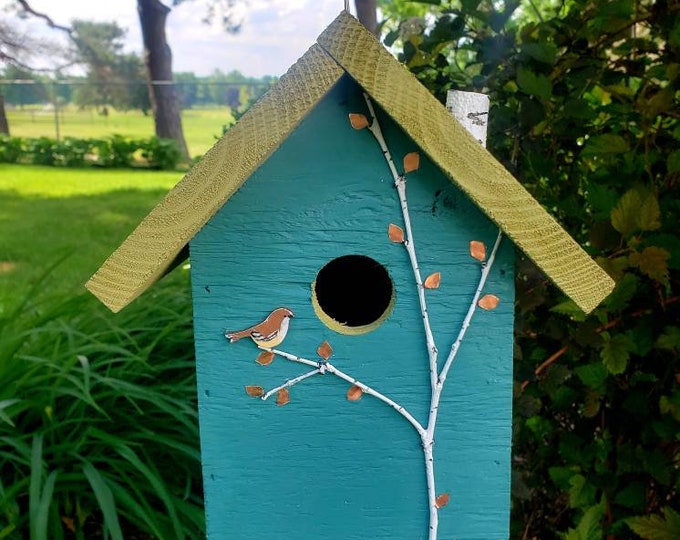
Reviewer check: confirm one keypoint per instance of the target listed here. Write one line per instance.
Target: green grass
(98, 420)
(78, 215)
(200, 125)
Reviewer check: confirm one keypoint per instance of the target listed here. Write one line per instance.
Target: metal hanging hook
(347, 6)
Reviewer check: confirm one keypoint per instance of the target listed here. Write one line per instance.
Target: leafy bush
(10, 149)
(161, 153)
(40, 151)
(72, 152)
(98, 421)
(113, 151)
(585, 113)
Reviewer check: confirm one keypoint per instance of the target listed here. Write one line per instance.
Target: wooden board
(323, 467)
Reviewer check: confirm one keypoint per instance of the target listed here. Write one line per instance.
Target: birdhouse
(352, 275)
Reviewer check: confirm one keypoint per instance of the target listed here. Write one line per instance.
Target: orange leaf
(358, 121)
(478, 250)
(324, 350)
(69, 523)
(432, 281)
(255, 391)
(442, 500)
(282, 397)
(395, 233)
(265, 358)
(411, 162)
(488, 301)
(354, 393)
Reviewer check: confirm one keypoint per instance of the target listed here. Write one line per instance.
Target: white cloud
(274, 33)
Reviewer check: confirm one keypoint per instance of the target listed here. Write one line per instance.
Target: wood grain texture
(321, 466)
(467, 164)
(150, 249)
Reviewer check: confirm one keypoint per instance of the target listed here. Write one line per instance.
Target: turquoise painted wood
(321, 466)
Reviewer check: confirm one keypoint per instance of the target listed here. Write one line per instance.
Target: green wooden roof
(346, 47)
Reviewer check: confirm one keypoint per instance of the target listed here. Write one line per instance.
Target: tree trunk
(4, 125)
(158, 61)
(366, 14)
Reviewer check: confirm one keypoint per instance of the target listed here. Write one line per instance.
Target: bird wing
(262, 337)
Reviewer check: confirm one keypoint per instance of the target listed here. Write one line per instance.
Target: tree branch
(50, 22)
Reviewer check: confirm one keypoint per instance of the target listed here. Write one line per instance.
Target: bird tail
(235, 336)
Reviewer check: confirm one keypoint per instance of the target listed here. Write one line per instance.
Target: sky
(275, 33)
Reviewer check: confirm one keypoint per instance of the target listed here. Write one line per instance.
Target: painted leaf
(442, 500)
(411, 162)
(488, 302)
(358, 121)
(265, 358)
(324, 350)
(255, 391)
(395, 233)
(432, 281)
(354, 393)
(478, 250)
(282, 397)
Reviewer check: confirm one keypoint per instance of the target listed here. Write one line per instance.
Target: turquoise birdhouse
(352, 260)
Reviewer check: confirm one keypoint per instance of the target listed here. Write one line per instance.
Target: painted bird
(269, 333)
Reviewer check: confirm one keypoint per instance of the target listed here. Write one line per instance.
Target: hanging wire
(347, 6)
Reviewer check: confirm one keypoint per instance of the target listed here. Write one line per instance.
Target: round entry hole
(353, 294)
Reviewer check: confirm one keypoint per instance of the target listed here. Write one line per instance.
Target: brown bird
(269, 333)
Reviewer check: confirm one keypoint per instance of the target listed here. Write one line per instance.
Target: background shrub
(585, 113)
(113, 151)
(10, 148)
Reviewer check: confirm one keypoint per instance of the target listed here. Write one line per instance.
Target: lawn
(201, 125)
(79, 215)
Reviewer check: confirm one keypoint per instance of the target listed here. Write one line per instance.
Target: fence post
(55, 104)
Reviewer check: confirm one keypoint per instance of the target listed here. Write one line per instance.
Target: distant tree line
(22, 87)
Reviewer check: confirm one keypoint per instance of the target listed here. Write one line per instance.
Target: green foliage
(585, 114)
(112, 151)
(10, 149)
(656, 527)
(161, 154)
(99, 426)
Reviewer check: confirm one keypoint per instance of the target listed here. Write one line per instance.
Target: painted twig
(291, 382)
(323, 367)
(437, 378)
(409, 243)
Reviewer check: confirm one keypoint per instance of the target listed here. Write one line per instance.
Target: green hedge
(113, 151)
(585, 113)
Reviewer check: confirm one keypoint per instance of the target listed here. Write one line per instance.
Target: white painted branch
(486, 268)
(428, 454)
(409, 243)
(291, 382)
(371, 392)
(472, 111)
(323, 367)
(436, 395)
(292, 357)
